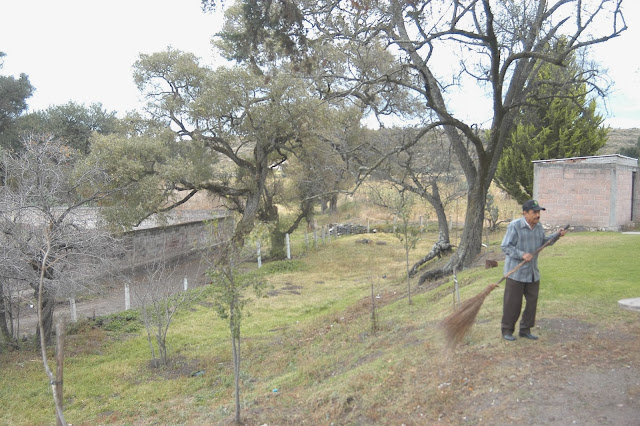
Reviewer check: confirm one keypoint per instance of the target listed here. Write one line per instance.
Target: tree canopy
(225, 131)
(72, 123)
(557, 121)
(14, 93)
(371, 51)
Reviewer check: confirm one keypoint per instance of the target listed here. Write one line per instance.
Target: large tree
(220, 131)
(14, 93)
(316, 173)
(72, 123)
(428, 48)
(558, 120)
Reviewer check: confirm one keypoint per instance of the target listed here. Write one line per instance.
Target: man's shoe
(529, 336)
(508, 337)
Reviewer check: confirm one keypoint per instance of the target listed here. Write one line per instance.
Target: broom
(457, 324)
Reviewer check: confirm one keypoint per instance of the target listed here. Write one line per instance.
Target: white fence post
(259, 254)
(288, 246)
(185, 284)
(74, 312)
(456, 289)
(127, 297)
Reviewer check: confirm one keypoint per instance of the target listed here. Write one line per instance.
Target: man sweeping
(524, 236)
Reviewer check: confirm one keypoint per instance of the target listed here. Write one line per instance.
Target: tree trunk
(278, 238)
(279, 235)
(471, 240)
(472, 234)
(48, 306)
(333, 203)
(4, 329)
(443, 245)
(440, 248)
(236, 371)
(234, 328)
(60, 334)
(408, 275)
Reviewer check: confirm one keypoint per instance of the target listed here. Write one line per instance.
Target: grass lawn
(310, 354)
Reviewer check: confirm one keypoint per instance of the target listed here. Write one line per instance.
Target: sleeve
(555, 236)
(510, 242)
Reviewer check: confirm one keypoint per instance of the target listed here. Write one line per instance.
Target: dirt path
(578, 374)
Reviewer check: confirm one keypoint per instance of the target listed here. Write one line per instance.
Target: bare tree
(12, 287)
(160, 295)
(48, 239)
(401, 203)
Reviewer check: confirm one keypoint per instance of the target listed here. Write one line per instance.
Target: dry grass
(310, 355)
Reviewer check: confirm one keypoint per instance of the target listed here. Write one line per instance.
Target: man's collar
(525, 223)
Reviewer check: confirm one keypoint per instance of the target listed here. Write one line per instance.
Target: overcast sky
(83, 50)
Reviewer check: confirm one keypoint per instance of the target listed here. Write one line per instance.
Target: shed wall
(596, 194)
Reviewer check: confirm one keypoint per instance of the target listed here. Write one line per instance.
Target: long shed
(600, 192)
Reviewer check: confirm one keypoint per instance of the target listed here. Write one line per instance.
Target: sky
(83, 51)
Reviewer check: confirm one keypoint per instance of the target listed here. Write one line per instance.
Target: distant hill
(620, 138)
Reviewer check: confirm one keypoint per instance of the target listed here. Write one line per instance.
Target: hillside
(316, 352)
(620, 138)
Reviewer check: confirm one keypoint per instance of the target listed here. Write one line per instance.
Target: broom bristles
(458, 324)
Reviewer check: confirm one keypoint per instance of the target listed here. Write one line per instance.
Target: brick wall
(636, 197)
(593, 192)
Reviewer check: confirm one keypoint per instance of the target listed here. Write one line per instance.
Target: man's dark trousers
(513, 293)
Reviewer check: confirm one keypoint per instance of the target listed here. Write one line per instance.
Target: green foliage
(142, 171)
(558, 121)
(632, 151)
(492, 212)
(72, 123)
(282, 267)
(228, 287)
(254, 122)
(14, 93)
(259, 31)
(121, 322)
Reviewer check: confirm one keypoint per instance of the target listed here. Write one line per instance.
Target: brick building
(600, 192)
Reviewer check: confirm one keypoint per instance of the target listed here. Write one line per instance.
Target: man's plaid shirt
(521, 239)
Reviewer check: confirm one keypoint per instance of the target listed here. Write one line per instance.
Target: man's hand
(527, 257)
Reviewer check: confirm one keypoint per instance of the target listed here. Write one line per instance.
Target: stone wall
(170, 242)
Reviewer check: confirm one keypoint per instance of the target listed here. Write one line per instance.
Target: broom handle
(549, 242)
